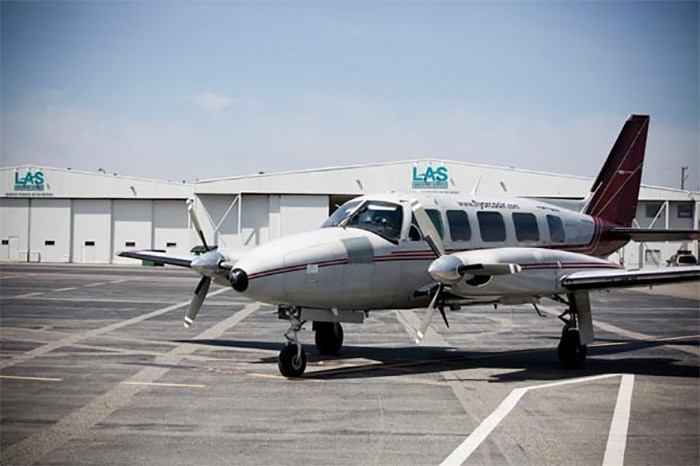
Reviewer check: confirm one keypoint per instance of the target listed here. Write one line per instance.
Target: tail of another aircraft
(616, 189)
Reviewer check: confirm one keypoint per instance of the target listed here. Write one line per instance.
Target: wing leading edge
(606, 279)
(160, 257)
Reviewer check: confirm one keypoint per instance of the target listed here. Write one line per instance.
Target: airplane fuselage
(379, 260)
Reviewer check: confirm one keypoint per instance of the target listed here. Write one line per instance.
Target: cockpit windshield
(382, 218)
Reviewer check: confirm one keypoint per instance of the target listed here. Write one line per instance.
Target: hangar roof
(400, 176)
(38, 181)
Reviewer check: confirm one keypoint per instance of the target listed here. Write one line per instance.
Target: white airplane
(417, 249)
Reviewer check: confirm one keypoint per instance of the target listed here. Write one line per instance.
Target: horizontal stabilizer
(607, 279)
(158, 257)
(645, 234)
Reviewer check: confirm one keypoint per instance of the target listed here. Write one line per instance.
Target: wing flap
(606, 279)
(156, 256)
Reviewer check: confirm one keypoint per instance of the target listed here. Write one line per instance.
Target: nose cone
(445, 269)
(238, 279)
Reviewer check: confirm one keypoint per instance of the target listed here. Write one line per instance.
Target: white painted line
(472, 442)
(70, 288)
(617, 440)
(26, 295)
(75, 338)
(94, 284)
(162, 384)
(39, 379)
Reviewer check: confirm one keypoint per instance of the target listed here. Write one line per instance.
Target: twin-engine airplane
(410, 250)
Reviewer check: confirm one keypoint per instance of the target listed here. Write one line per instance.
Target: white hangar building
(60, 215)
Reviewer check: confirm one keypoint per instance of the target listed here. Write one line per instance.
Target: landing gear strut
(572, 354)
(292, 358)
(329, 337)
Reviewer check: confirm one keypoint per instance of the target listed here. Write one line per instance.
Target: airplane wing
(645, 234)
(606, 279)
(161, 257)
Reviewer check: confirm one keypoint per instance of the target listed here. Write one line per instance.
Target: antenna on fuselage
(503, 187)
(476, 185)
(359, 183)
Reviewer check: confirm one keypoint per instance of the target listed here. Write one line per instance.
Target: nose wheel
(292, 359)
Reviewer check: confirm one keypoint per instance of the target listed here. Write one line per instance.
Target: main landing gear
(577, 331)
(292, 358)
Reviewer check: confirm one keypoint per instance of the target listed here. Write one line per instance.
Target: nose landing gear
(292, 358)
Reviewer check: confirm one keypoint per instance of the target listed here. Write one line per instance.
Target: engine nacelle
(534, 271)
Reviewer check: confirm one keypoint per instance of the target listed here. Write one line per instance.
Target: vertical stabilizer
(615, 192)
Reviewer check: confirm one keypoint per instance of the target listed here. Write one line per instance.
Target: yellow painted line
(280, 377)
(266, 376)
(38, 379)
(177, 385)
(645, 340)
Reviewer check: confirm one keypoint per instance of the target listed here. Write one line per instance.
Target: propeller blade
(197, 226)
(420, 333)
(489, 269)
(427, 229)
(196, 304)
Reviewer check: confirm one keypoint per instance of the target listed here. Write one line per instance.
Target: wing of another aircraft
(606, 278)
(155, 256)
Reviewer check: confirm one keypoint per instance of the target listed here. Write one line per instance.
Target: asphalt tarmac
(97, 368)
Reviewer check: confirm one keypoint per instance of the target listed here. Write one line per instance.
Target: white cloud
(210, 101)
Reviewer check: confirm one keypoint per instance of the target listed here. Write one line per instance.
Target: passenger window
(526, 228)
(556, 229)
(458, 221)
(491, 226)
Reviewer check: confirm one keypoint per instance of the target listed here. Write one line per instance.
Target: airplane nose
(238, 279)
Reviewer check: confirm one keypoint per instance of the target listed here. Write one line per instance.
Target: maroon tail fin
(616, 190)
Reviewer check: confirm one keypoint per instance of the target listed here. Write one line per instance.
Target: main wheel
(329, 337)
(572, 354)
(290, 363)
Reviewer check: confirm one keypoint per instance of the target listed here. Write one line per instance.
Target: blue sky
(185, 90)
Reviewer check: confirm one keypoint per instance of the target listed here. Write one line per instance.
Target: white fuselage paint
(328, 268)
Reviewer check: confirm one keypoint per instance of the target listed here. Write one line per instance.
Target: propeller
(197, 226)
(420, 333)
(203, 264)
(432, 237)
(448, 269)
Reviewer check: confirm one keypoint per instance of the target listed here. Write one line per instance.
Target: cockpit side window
(383, 218)
(340, 214)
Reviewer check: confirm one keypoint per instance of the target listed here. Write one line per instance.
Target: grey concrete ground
(96, 368)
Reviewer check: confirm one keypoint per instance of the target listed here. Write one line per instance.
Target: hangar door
(131, 226)
(170, 227)
(14, 229)
(92, 234)
(49, 230)
(301, 213)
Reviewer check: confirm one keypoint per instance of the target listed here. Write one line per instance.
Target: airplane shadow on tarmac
(530, 364)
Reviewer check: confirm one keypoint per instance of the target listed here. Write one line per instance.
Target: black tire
(290, 365)
(572, 354)
(329, 337)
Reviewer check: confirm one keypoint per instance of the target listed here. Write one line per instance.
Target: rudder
(615, 191)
